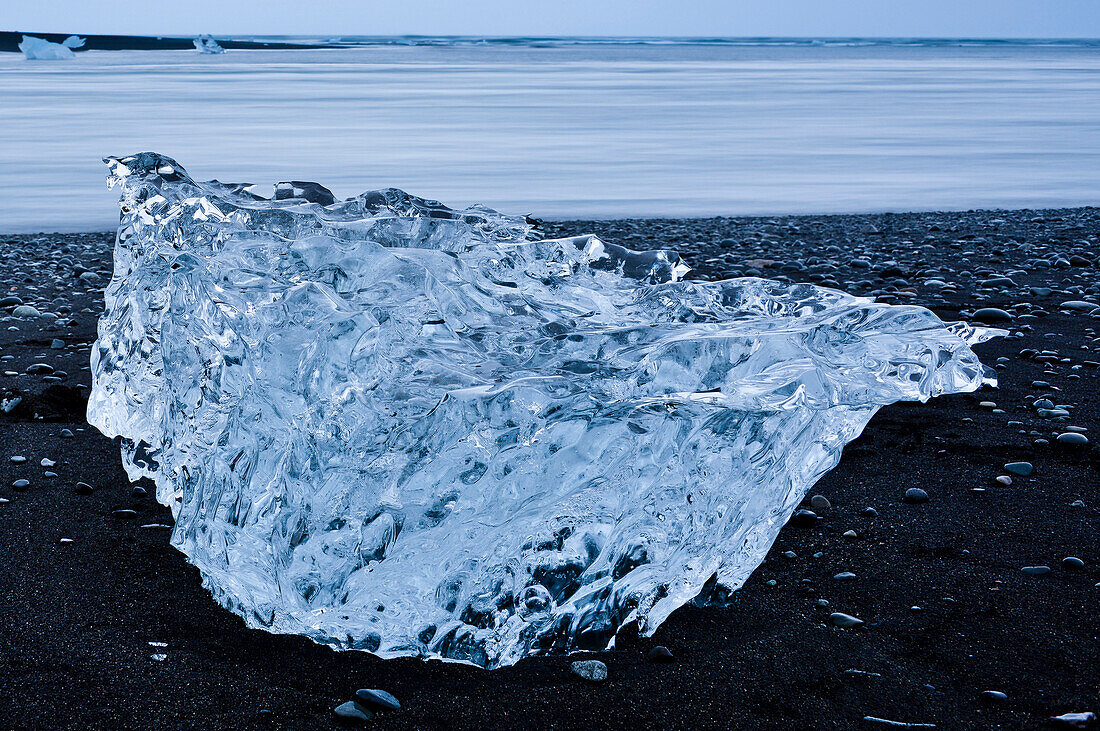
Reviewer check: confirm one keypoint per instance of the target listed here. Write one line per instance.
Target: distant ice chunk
(39, 49)
(393, 426)
(207, 44)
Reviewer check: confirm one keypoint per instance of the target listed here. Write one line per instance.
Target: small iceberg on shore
(39, 49)
(393, 426)
(207, 44)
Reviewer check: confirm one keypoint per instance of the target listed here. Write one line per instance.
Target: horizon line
(188, 36)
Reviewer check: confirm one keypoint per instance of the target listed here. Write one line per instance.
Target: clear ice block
(392, 426)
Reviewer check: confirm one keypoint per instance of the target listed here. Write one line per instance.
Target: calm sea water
(564, 129)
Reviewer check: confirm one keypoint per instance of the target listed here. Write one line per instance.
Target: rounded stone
(593, 671)
(820, 502)
(915, 495)
(1072, 562)
(1073, 438)
(350, 712)
(1036, 570)
(376, 700)
(804, 519)
(660, 653)
(991, 314)
(1023, 469)
(839, 619)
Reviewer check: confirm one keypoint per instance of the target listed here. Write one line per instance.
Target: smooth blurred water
(591, 130)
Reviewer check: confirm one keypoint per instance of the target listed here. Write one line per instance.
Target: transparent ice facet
(207, 44)
(39, 49)
(393, 426)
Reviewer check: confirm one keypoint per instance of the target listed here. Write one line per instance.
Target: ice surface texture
(393, 426)
(207, 44)
(39, 49)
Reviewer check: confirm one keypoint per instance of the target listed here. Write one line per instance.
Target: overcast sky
(941, 18)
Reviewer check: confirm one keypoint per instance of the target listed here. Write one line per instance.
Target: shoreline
(79, 616)
(554, 223)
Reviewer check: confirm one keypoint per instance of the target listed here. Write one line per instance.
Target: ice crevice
(393, 426)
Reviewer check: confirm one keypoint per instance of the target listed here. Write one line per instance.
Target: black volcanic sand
(948, 611)
(10, 40)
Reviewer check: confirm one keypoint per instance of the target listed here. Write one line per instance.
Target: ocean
(570, 128)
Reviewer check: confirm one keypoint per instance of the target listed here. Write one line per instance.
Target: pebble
(350, 712)
(839, 619)
(20, 485)
(376, 700)
(591, 670)
(869, 513)
(124, 514)
(850, 534)
(1072, 562)
(1072, 437)
(804, 519)
(25, 311)
(820, 502)
(1004, 480)
(991, 314)
(1079, 306)
(83, 488)
(1036, 570)
(67, 433)
(1023, 469)
(18, 460)
(660, 653)
(994, 696)
(845, 576)
(915, 495)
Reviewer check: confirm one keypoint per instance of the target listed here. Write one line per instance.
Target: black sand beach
(948, 611)
(9, 42)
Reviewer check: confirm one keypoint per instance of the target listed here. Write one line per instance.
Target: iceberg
(393, 426)
(39, 49)
(207, 44)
